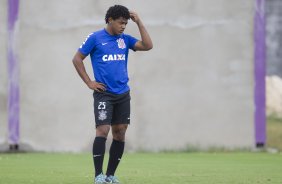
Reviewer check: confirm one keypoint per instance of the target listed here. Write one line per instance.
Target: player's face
(118, 25)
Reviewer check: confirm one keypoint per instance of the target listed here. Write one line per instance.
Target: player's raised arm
(146, 42)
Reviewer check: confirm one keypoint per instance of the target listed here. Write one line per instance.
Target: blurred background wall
(3, 71)
(273, 11)
(274, 37)
(195, 88)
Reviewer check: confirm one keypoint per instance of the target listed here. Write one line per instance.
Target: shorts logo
(102, 115)
(121, 43)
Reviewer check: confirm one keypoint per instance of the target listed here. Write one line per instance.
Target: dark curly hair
(116, 12)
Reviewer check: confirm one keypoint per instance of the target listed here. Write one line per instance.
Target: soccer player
(108, 49)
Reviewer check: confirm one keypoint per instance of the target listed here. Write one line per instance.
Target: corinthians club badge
(102, 115)
(121, 43)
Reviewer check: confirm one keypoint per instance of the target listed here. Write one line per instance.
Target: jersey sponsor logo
(114, 57)
(121, 43)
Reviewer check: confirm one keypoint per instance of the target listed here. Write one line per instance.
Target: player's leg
(119, 131)
(103, 116)
(98, 151)
(120, 121)
(99, 147)
(117, 148)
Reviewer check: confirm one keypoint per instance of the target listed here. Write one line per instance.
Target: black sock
(99, 147)
(116, 152)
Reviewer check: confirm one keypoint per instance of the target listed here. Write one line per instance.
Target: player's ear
(110, 20)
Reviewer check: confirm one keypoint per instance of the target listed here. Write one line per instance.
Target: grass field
(150, 168)
(274, 133)
(145, 168)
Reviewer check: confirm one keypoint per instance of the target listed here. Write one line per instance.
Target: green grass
(274, 133)
(145, 168)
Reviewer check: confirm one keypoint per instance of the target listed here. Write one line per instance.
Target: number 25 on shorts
(102, 105)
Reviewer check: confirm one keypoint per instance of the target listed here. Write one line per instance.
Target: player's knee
(102, 131)
(101, 134)
(119, 135)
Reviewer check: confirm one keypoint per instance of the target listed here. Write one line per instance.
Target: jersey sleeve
(131, 42)
(88, 45)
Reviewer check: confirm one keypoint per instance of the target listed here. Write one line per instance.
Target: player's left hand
(134, 17)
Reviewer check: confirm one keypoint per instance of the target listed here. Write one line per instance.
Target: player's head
(116, 18)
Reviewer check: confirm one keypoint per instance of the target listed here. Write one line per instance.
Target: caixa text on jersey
(114, 57)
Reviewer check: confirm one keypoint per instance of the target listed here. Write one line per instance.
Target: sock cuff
(101, 138)
(118, 142)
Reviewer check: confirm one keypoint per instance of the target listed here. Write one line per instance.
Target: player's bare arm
(146, 42)
(80, 68)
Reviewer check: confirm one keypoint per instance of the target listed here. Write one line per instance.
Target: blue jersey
(109, 54)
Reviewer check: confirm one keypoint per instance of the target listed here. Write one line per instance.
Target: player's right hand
(134, 17)
(97, 86)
